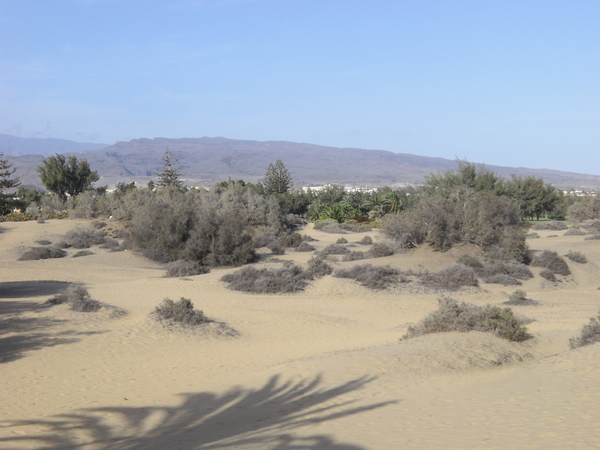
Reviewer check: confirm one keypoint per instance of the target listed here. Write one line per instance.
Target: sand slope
(322, 369)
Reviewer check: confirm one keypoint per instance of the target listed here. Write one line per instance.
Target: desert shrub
(552, 236)
(518, 270)
(453, 276)
(464, 317)
(592, 237)
(41, 219)
(43, 242)
(379, 251)
(469, 261)
(181, 268)
(292, 240)
(317, 268)
(590, 334)
(320, 225)
(98, 225)
(63, 244)
(575, 232)
(374, 277)
(305, 247)
(366, 240)
(52, 204)
(595, 225)
(513, 269)
(518, 296)
(277, 250)
(307, 238)
(586, 208)
(334, 228)
(35, 253)
(112, 244)
(577, 257)
(342, 241)
(120, 234)
(180, 312)
(547, 274)
(82, 253)
(85, 237)
(287, 279)
(263, 239)
(551, 261)
(79, 299)
(533, 236)
(354, 256)
(552, 225)
(501, 278)
(334, 249)
(354, 228)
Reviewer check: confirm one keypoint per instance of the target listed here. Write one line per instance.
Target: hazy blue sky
(513, 83)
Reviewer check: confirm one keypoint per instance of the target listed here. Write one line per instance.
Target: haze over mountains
(208, 160)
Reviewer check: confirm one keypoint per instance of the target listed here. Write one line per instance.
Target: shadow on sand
(265, 418)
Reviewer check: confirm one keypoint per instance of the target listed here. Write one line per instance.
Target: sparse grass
(85, 237)
(453, 276)
(366, 240)
(287, 279)
(552, 225)
(82, 253)
(575, 232)
(36, 253)
(590, 334)
(374, 277)
(464, 317)
(342, 241)
(181, 268)
(552, 261)
(577, 257)
(180, 312)
(305, 247)
(79, 299)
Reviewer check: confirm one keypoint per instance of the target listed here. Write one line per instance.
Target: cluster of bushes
(453, 277)
(374, 277)
(464, 317)
(552, 264)
(378, 250)
(78, 298)
(36, 253)
(182, 312)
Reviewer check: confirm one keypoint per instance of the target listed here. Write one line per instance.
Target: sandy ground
(321, 369)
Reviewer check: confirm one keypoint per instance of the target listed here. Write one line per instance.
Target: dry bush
(98, 225)
(453, 276)
(552, 225)
(470, 261)
(317, 268)
(577, 257)
(334, 228)
(377, 251)
(518, 296)
(292, 240)
(501, 278)
(551, 261)
(305, 247)
(590, 334)
(574, 232)
(36, 253)
(307, 238)
(342, 241)
(593, 237)
(374, 277)
(120, 234)
(320, 225)
(532, 236)
(113, 245)
(366, 240)
(181, 312)
(276, 250)
(82, 253)
(464, 317)
(354, 256)
(43, 242)
(512, 269)
(79, 299)
(263, 239)
(354, 228)
(85, 237)
(334, 249)
(181, 268)
(287, 279)
(547, 274)
(518, 270)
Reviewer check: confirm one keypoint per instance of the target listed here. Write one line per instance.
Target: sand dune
(320, 369)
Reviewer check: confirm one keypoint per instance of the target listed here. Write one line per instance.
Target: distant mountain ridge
(208, 160)
(16, 146)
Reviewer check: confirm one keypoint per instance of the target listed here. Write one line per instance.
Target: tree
(277, 179)
(64, 175)
(170, 174)
(533, 195)
(6, 182)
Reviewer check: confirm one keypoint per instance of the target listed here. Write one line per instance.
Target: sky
(510, 83)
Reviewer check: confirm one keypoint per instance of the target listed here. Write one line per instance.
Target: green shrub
(577, 257)
(181, 312)
(287, 279)
(181, 268)
(453, 276)
(464, 317)
(590, 334)
(374, 277)
(552, 261)
(36, 253)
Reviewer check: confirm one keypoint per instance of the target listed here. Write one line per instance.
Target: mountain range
(206, 160)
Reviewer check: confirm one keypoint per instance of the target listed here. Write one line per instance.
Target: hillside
(208, 160)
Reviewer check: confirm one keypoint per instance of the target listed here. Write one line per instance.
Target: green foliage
(277, 178)
(170, 173)
(66, 175)
(534, 197)
(464, 317)
(467, 175)
(586, 208)
(7, 183)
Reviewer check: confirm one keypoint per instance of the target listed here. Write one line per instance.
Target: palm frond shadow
(256, 418)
